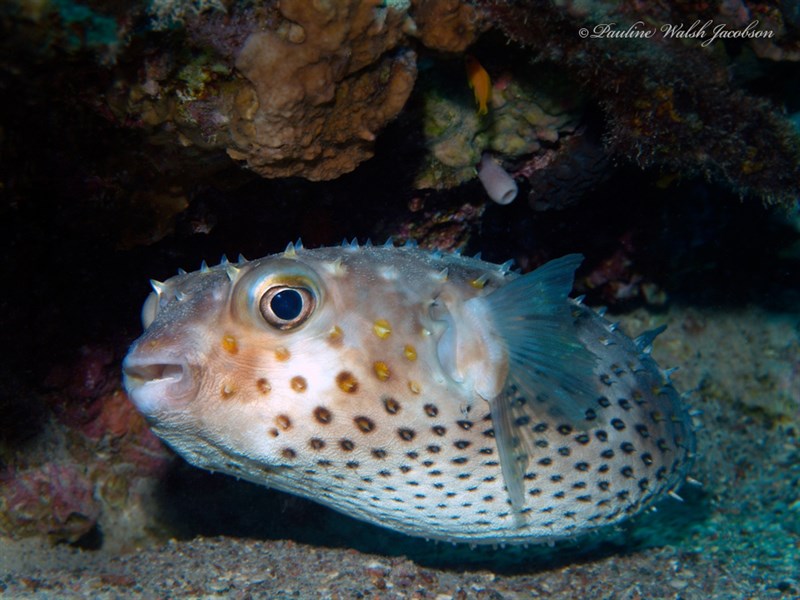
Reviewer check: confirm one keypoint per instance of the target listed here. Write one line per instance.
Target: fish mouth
(156, 384)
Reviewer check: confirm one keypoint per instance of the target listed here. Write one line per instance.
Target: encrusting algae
(437, 395)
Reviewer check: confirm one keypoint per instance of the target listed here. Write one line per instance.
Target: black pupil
(287, 304)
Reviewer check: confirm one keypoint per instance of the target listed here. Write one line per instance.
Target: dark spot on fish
(288, 453)
(535, 492)
(274, 432)
(603, 469)
(584, 498)
(462, 444)
(604, 402)
(642, 430)
(431, 410)
(323, 415)
(347, 445)
(438, 486)
(582, 466)
(406, 434)
(439, 430)
(379, 453)
(579, 485)
(542, 443)
(564, 429)
(364, 424)
(626, 472)
(582, 438)
(559, 496)
(316, 443)
(601, 435)
(488, 498)
(347, 382)
(324, 462)
(434, 449)
(385, 473)
(546, 461)
(556, 478)
(604, 485)
(647, 459)
(564, 451)
(263, 386)
(465, 425)
(623, 495)
(624, 404)
(661, 473)
(490, 478)
(626, 447)
(540, 427)
(284, 422)
(618, 424)
(299, 384)
(391, 405)
(460, 460)
(644, 483)
(404, 468)
(488, 433)
(590, 414)
(412, 455)
(605, 378)
(607, 454)
(464, 475)
(486, 450)
(352, 464)
(522, 421)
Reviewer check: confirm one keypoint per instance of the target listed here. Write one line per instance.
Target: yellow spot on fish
(414, 387)
(299, 384)
(381, 370)
(283, 422)
(229, 344)
(410, 352)
(263, 385)
(347, 382)
(480, 282)
(382, 328)
(228, 390)
(335, 334)
(282, 354)
(480, 83)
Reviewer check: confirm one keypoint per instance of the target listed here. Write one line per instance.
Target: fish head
(231, 354)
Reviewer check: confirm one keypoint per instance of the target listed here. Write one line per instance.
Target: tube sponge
(500, 186)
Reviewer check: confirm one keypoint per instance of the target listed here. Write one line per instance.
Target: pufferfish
(433, 394)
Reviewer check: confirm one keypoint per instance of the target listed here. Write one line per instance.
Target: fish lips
(156, 383)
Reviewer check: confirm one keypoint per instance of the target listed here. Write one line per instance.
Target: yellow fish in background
(480, 83)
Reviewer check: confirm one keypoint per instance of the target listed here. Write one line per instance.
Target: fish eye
(286, 307)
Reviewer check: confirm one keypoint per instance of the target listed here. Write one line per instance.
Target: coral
(322, 86)
(446, 25)
(527, 110)
(55, 500)
(668, 104)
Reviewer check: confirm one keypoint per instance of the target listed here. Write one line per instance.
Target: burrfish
(434, 394)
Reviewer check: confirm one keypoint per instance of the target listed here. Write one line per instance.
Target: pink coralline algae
(56, 500)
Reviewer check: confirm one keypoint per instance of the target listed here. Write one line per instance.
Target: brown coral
(322, 84)
(446, 25)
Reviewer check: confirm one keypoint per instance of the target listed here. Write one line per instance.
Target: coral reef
(321, 88)
(668, 103)
(446, 25)
(528, 110)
